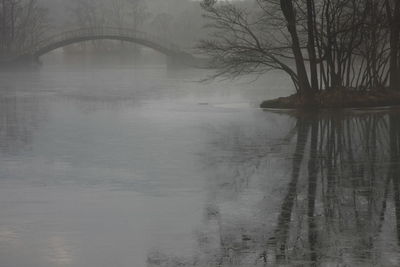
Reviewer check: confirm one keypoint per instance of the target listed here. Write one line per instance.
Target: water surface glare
(113, 164)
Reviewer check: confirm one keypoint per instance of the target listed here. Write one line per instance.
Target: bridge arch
(104, 33)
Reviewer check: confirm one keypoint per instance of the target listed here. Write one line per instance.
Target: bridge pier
(173, 62)
(24, 61)
(29, 59)
(186, 60)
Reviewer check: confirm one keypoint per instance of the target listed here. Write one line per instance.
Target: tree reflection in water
(20, 115)
(340, 205)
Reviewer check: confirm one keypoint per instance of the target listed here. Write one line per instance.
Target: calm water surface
(111, 164)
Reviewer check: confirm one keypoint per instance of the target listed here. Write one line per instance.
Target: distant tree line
(320, 44)
(22, 22)
(117, 13)
(181, 23)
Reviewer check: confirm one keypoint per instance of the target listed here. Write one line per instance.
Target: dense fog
(167, 133)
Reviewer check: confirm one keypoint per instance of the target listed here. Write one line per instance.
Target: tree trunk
(304, 84)
(12, 11)
(311, 44)
(4, 24)
(394, 24)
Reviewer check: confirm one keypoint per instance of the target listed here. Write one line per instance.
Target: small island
(338, 54)
(336, 99)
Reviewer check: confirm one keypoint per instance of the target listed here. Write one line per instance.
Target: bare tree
(22, 22)
(346, 44)
(138, 13)
(239, 44)
(393, 15)
(161, 24)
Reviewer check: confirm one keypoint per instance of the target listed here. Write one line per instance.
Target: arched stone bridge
(107, 33)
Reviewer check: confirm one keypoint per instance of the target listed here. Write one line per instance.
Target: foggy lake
(199, 133)
(104, 162)
(109, 161)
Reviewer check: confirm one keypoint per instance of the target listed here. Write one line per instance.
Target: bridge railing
(100, 32)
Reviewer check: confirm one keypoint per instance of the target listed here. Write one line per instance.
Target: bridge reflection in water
(171, 50)
(327, 194)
